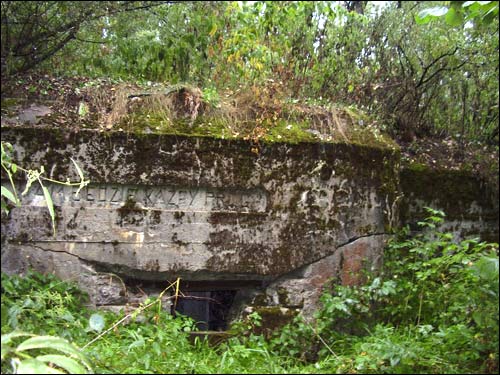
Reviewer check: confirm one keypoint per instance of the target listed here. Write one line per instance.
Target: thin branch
(445, 68)
(400, 49)
(197, 298)
(426, 69)
(91, 41)
(150, 5)
(36, 60)
(321, 339)
(138, 310)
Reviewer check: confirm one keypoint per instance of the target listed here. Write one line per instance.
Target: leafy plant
(10, 168)
(211, 97)
(40, 355)
(433, 308)
(42, 304)
(460, 12)
(415, 75)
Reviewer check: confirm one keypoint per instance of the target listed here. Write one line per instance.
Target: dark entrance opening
(212, 304)
(210, 309)
(209, 303)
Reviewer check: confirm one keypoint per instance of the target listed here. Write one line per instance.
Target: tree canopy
(424, 68)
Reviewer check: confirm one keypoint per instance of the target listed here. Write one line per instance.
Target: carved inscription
(157, 197)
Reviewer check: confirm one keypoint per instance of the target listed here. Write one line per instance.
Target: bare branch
(435, 61)
(91, 41)
(443, 69)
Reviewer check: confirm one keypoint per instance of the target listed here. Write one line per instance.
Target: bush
(433, 308)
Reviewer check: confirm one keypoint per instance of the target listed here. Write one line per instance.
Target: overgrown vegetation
(433, 308)
(429, 77)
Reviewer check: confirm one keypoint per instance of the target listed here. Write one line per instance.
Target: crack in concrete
(354, 239)
(302, 267)
(55, 251)
(32, 244)
(97, 263)
(110, 242)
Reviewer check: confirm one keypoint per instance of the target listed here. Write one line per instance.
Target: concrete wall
(470, 203)
(272, 221)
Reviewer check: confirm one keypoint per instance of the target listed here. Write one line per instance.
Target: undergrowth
(260, 113)
(433, 308)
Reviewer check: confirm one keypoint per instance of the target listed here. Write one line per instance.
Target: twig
(138, 310)
(321, 339)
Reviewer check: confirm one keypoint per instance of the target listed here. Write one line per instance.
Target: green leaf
(69, 364)
(468, 4)
(487, 268)
(426, 15)
(83, 183)
(50, 206)
(213, 30)
(80, 173)
(34, 366)
(454, 18)
(7, 338)
(477, 3)
(491, 15)
(54, 343)
(8, 194)
(48, 342)
(478, 317)
(82, 109)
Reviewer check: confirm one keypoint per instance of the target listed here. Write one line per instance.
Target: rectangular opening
(209, 309)
(209, 302)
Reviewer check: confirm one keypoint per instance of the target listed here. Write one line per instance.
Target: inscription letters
(160, 197)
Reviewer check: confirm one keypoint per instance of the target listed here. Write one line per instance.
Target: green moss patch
(285, 131)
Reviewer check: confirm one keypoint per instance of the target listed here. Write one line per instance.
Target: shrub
(433, 308)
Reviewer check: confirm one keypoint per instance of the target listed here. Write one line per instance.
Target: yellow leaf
(214, 30)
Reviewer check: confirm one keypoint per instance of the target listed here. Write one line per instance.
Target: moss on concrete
(273, 318)
(289, 132)
(460, 194)
(9, 103)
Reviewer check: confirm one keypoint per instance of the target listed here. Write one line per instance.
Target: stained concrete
(284, 218)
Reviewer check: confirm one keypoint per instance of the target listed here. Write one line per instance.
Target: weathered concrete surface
(162, 207)
(470, 204)
(286, 218)
(302, 288)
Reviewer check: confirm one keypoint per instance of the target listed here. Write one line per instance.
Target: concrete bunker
(243, 230)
